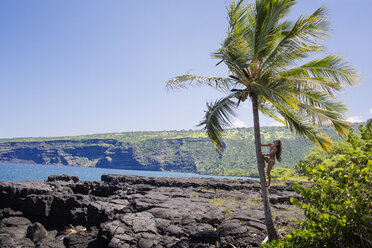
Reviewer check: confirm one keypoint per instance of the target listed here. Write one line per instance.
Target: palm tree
(262, 51)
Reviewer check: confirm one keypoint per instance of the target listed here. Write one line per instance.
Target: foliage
(286, 174)
(219, 202)
(338, 206)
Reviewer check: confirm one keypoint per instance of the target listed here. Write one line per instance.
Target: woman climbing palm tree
(275, 151)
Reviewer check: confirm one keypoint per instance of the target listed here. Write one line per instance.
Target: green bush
(338, 207)
(286, 174)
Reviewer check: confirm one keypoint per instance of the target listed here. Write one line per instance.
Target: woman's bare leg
(266, 160)
(269, 168)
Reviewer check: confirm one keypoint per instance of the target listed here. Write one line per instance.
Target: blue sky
(85, 66)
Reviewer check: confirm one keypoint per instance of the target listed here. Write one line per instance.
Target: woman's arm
(265, 144)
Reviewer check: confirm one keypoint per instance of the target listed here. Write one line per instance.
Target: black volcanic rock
(7, 212)
(63, 177)
(36, 232)
(135, 211)
(6, 241)
(231, 228)
(17, 226)
(210, 237)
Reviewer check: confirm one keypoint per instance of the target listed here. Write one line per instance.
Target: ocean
(38, 172)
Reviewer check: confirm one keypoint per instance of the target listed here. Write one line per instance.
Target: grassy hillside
(164, 150)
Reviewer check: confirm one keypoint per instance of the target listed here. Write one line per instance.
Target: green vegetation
(219, 202)
(227, 211)
(194, 194)
(338, 207)
(290, 219)
(254, 202)
(286, 174)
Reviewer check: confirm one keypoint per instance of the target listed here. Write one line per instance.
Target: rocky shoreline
(136, 211)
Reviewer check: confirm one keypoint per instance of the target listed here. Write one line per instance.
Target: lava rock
(231, 229)
(6, 241)
(140, 222)
(36, 232)
(63, 177)
(210, 237)
(7, 212)
(184, 243)
(50, 243)
(25, 243)
(16, 227)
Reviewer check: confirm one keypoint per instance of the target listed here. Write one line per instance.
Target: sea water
(38, 172)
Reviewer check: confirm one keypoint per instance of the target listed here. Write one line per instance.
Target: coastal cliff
(135, 211)
(100, 153)
(184, 151)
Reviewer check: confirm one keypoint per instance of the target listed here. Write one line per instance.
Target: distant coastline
(174, 151)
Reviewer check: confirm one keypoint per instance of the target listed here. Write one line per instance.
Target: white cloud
(370, 110)
(276, 124)
(238, 123)
(354, 119)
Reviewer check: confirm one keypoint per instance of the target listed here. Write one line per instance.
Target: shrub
(338, 207)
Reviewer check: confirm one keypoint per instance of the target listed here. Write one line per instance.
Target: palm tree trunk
(272, 233)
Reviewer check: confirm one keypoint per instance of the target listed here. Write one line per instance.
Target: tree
(261, 51)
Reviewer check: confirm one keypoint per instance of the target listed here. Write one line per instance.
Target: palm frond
(299, 40)
(268, 21)
(235, 54)
(236, 16)
(316, 106)
(320, 99)
(323, 85)
(332, 116)
(188, 80)
(237, 49)
(217, 118)
(306, 129)
(269, 110)
(244, 27)
(332, 67)
(274, 92)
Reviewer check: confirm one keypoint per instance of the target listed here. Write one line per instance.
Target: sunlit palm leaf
(236, 53)
(321, 100)
(298, 40)
(332, 67)
(323, 85)
(269, 110)
(325, 116)
(306, 129)
(271, 94)
(268, 19)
